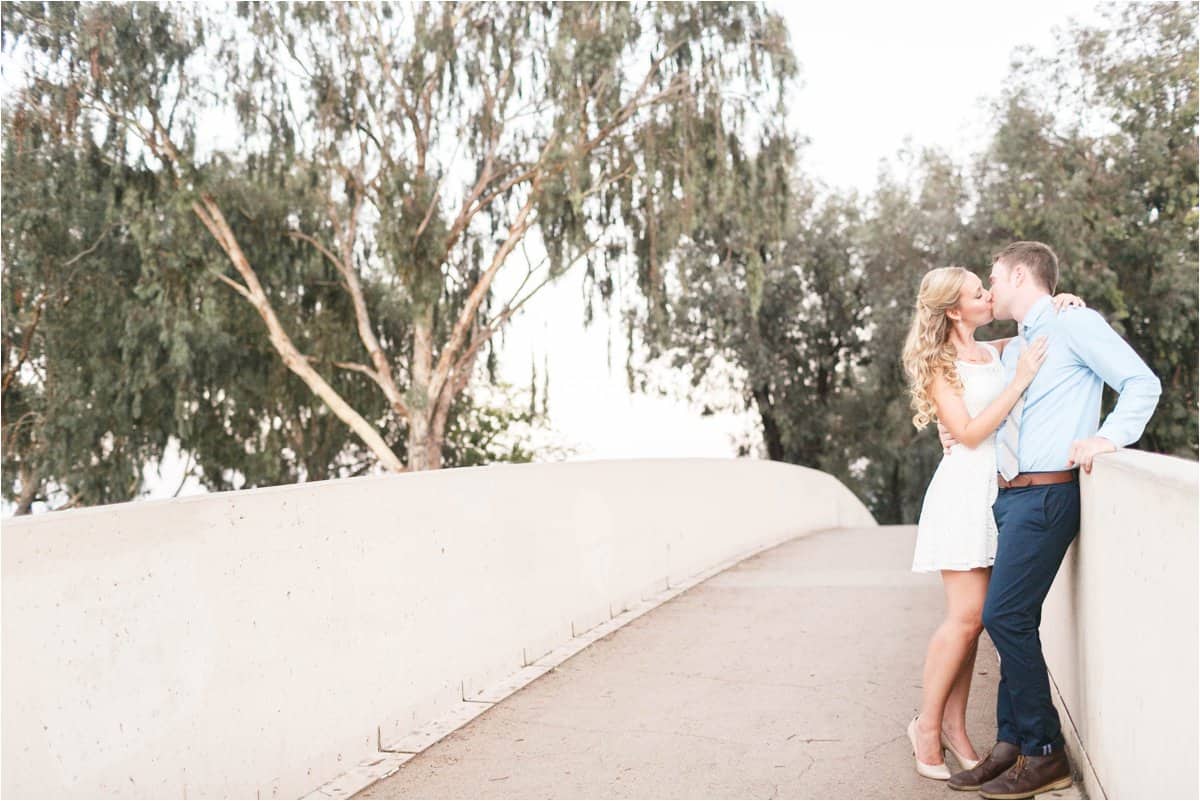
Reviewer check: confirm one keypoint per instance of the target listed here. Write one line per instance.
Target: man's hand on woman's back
(948, 440)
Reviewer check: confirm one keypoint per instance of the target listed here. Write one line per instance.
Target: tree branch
(465, 364)
(26, 340)
(486, 171)
(634, 103)
(382, 374)
(210, 214)
(40, 308)
(241, 290)
(458, 334)
(324, 251)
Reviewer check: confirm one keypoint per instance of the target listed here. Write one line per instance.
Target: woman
(961, 383)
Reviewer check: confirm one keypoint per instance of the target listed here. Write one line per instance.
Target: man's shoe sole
(963, 787)
(1057, 784)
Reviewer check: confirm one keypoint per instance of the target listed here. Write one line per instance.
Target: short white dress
(957, 530)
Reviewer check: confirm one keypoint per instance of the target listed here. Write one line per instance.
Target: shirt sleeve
(1099, 347)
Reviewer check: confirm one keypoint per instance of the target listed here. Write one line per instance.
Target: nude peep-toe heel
(967, 764)
(937, 772)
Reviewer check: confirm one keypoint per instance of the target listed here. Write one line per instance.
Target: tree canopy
(325, 194)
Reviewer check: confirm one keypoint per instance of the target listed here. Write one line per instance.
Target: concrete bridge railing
(259, 643)
(262, 642)
(1120, 627)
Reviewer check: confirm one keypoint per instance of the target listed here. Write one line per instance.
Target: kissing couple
(1018, 418)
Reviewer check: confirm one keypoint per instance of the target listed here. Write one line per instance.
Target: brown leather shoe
(1002, 757)
(1031, 775)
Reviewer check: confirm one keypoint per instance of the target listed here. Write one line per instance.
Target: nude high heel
(967, 764)
(938, 772)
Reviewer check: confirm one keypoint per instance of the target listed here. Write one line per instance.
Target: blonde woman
(961, 383)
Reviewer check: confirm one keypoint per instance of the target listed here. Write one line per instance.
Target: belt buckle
(1015, 482)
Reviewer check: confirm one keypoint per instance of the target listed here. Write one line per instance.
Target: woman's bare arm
(970, 431)
(952, 412)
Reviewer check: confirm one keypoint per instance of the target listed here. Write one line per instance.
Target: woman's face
(974, 303)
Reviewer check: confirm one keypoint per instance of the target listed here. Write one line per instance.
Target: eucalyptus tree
(110, 350)
(417, 151)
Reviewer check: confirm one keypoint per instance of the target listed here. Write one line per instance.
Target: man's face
(1002, 291)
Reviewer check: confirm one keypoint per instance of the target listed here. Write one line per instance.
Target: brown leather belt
(1037, 479)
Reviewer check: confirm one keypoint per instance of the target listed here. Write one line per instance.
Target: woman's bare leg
(954, 718)
(948, 649)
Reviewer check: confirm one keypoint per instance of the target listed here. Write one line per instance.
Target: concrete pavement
(790, 675)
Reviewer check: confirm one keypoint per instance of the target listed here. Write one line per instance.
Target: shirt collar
(1037, 315)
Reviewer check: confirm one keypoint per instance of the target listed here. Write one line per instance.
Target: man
(1048, 435)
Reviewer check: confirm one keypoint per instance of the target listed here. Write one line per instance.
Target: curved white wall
(1120, 628)
(259, 642)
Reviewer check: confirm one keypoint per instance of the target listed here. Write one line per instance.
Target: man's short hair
(1039, 258)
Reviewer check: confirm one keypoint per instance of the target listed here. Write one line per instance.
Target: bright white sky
(876, 74)
(872, 77)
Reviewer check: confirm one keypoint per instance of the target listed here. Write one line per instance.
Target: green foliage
(77, 370)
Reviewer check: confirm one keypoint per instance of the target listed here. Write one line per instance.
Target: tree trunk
(421, 454)
(424, 446)
(771, 435)
(29, 487)
(893, 510)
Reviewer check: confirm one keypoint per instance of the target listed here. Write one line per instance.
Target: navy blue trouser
(1036, 524)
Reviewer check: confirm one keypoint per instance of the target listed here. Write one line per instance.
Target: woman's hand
(1031, 361)
(1067, 299)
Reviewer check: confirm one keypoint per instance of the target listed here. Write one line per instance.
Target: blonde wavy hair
(928, 351)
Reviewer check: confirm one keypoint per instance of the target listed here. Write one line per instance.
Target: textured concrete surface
(1131, 569)
(262, 642)
(791, 675)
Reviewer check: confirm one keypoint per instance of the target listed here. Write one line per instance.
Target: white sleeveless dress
(957, 530)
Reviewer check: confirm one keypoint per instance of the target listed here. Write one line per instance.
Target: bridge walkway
(791, 675)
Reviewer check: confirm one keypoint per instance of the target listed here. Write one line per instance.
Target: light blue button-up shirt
(1063, 402)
